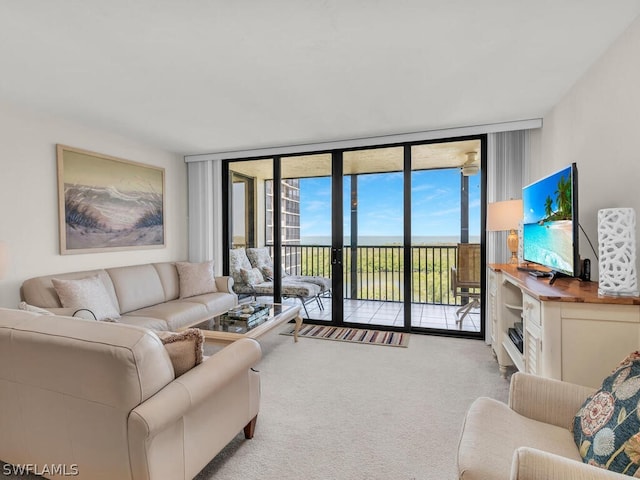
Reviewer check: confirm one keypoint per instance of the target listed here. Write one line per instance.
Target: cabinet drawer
(531, 310)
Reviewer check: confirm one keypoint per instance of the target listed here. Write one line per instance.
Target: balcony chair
(254, 280)
(465, 278)
(261, 258)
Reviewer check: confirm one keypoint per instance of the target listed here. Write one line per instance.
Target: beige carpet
(343, 411)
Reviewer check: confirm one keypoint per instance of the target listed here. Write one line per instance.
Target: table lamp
(506, 215)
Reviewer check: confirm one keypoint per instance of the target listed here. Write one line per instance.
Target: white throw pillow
(196, 278)
(89, 293)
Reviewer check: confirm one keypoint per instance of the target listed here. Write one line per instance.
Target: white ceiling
(201, 76)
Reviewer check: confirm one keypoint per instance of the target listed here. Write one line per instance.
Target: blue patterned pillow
(607, 427)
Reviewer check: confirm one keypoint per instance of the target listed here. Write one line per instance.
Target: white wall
(597, 125)
(29, 199)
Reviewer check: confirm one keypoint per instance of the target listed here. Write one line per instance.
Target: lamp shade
(505, 215)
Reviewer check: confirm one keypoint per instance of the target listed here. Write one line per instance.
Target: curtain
(508, 157)
(205, 212)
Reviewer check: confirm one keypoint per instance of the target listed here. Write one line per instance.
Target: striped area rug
(355, 335)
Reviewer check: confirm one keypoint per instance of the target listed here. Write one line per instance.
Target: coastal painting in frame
(107, 203)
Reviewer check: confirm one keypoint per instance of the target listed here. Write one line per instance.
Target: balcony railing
(377, 272)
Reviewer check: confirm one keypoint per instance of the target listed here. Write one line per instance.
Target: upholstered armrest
(224, 284)
(546, 400)
(531, 464)
(180, 396)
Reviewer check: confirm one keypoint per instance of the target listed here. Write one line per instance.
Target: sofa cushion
(489, 421)
(168, 274)
(156, 324)
(607, 427)
(196, 278)
(185, 348)
(86, 293)
(217, 302)
(136, 286)
(177, 314)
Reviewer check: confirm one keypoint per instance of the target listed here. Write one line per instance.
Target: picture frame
(107, 203)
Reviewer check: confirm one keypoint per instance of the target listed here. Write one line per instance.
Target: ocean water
(367, 240)
(550, 244)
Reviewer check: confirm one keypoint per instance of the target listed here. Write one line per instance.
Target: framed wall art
(106, 203)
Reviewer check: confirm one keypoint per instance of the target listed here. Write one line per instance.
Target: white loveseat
(144, 295)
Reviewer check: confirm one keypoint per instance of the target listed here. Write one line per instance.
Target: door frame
(337, 234)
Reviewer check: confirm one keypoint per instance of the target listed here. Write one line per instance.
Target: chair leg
(466, 309)
(250, 428)
(304, 305)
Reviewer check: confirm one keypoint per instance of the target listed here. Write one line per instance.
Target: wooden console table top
(563, 290)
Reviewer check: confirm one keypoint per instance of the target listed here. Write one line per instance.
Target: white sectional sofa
(146, 295)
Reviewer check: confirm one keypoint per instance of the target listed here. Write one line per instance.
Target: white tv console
(570, 332)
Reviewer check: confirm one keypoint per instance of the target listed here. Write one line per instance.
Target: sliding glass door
(381, 226)
(373, 236)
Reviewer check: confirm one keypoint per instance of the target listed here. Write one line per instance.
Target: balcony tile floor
(371, 312)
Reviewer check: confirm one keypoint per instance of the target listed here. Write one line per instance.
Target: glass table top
(232, 322)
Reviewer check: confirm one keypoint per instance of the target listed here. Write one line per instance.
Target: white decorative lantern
(617, 252)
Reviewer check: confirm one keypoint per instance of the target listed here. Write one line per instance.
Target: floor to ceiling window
(382, 224)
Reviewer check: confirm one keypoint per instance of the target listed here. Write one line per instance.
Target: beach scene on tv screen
(547, 223)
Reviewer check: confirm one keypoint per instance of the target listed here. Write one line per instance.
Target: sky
(535, 195)
(435, 196)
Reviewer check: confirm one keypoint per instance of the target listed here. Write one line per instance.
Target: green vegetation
(563, 201)
(380, 270)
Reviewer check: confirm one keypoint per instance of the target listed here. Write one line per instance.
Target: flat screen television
(550, 222)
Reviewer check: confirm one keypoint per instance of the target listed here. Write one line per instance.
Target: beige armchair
(102, 399)
(529, 438)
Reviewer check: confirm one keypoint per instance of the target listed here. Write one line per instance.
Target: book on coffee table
(257, 313)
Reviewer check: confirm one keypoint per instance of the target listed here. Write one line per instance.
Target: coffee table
(222, 329)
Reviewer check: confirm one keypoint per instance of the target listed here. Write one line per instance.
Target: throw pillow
(607, 427)
(31, 308)
(267, 271)
(185, 349)
(89, 293)
(252, 276)
(196, 278)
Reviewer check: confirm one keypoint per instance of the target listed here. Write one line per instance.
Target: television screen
(550, 223)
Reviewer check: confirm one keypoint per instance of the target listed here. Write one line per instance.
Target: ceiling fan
(470, 167)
